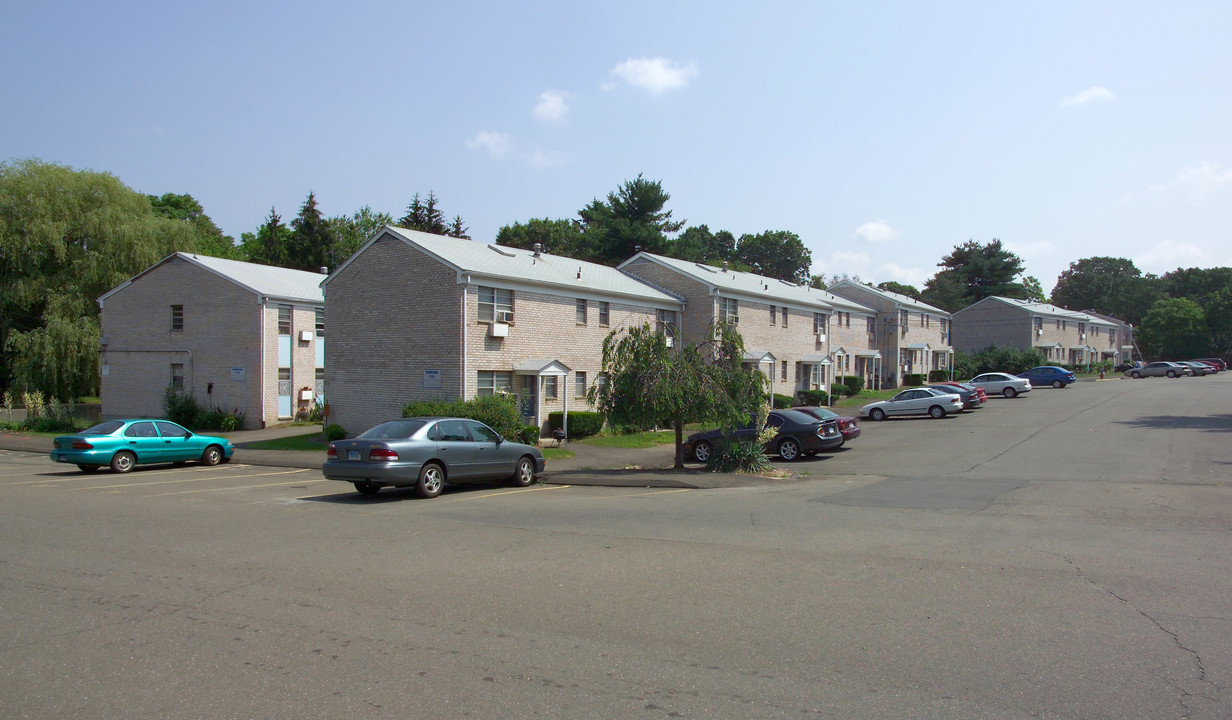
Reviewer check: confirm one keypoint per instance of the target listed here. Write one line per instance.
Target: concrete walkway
(590, 464)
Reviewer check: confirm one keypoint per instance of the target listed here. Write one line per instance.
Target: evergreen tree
(973, 272)
(631, 218)
(311, 242)
(269, 246)
(424, 216)
(458, 229)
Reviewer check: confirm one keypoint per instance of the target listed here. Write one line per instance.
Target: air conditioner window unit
(305, 335)
(499, 330)
(504, 316)
(821, 337)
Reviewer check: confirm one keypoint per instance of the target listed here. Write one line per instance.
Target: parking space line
(184, 480)
(242, 487)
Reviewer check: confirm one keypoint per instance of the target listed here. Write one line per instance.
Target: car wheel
(936, 411)
(212, 455)
(1010, 393)
(524, 476)
(122, 462)
(789, 449)
(701, 451)
(1136, 375)
(364, 487)
(877, 414)
(1171, 373)
(1058, 384)
(88, 468)
(431, 480)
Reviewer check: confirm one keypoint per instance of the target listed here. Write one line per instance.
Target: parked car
(1212, 367)
(848, 426)
(999, 383)
(1162, 368)
(429, 452)
(796, 433)
(1058, 377)
(979, 390)
(915, 401)
(970, 398)
(124, 444)
(1196, 369)
(1217, 362)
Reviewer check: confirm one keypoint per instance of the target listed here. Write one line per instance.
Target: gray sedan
(915, 401)
(428, 452)
(1158, 369)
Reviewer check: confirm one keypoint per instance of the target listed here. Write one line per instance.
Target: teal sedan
(123, 444)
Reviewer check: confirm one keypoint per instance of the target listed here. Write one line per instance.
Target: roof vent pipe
(724, 266)
(537, 247)
(324, 270)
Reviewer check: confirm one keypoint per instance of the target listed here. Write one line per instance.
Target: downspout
(261, 381)
(465, 340)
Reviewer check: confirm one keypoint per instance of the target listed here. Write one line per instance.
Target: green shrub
(334, 432)
(854, 383)
(49, 424)
(581, 424)
(938, 375)
(182, 409)
(499, 412)
(913, 380)
(782, 401)
(741, 454)
(814, 398)
(529, 435)
(837, 390)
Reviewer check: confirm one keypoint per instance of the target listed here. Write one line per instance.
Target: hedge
(782, 401)
(499, 412)
(838, 390)
(814, 398)
(938, 375)
(582, 423)
(853, 383)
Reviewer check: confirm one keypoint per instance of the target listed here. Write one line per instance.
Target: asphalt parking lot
(1064, 554)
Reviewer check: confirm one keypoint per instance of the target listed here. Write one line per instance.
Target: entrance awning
(759, 356)
(918, 346)
(541, 367)
(868, 353)
(815, 360)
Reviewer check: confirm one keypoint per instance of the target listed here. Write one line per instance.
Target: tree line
(68, 236)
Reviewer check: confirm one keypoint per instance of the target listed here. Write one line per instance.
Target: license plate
(60, 458)
(352, 455)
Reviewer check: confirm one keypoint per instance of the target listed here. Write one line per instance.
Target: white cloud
(497, 144)
(1170, 255)
(1200, 181)
(916, 277)
(877, 232)
(655, 75)
(552, 106)
(546, 159)
(1087, 96)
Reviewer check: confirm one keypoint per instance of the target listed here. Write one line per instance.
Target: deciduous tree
(210, 238)
(353, 231)
(777, 254)
(559, 237)
(1174, 329)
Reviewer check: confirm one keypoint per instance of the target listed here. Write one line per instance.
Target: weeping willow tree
(66, 237)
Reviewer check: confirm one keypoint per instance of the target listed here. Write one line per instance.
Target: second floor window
(605, 314)
(784, 316)
(177, 317)
(320, 322)
(820, 321)
(665, 322)
(284, 319)
(495, 305)
(773, 319)
(581, 312)
(729, 311)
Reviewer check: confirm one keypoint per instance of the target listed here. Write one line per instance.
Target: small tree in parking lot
(646, 382)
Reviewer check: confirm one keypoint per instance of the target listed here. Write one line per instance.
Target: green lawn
(634, 440)
(550, 453)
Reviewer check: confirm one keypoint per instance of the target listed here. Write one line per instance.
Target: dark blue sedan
(1058, 377)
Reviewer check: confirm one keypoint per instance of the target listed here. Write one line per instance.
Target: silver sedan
(915, 401)
(428, 452)
(1159, 369)
(999, 383)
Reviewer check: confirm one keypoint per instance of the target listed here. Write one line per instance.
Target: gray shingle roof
(904, 300)
(1047, 310)
(262, 280)
(748, 284)
(482, 260)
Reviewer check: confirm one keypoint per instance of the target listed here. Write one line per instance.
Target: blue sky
(883, 134)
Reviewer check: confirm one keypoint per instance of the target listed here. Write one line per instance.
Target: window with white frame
(492, 382)
(783, 371)
(665, 322)
(581, 311)
(605, 313)
(549, 387)
(729, 310)
(784, 316)
(495, 305)
(820, 321)
(579, 385)
(320, 322)
(284, 319)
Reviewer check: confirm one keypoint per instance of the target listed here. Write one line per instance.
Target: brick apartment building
(233, 335)
(912, 336)
(1066, 337)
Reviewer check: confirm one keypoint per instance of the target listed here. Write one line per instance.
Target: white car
(915, 401)
(1001, 383)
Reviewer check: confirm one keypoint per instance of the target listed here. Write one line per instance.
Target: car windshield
(796, 417)
(395, 430)
(103, 428)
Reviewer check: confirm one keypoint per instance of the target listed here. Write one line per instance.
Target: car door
(493, 458)
(903, 403)
(455, 449)
(177, 442)
(143, 440)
